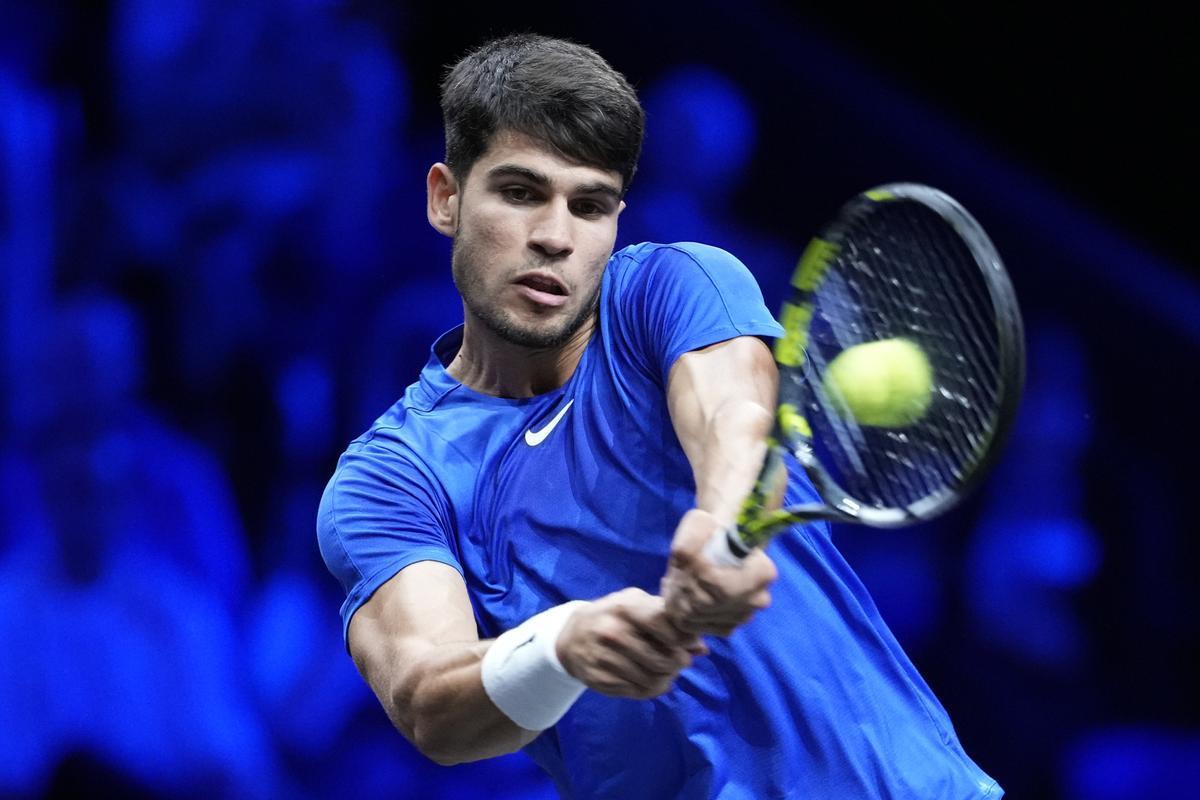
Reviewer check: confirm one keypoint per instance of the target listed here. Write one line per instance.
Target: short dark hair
(557, 92)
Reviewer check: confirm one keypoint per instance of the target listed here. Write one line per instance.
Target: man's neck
(494, 366)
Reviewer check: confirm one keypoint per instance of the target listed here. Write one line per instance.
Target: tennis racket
(905, 266)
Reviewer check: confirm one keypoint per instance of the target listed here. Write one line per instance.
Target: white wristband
(523, 676)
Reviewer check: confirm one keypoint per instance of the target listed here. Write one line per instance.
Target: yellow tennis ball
(885, 384)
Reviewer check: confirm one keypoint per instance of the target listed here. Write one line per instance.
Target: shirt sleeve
(682, 297)
(380, 513)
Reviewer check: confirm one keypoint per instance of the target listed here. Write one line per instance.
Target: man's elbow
(439, 749)
(447, 749)
(421, 720)
(436, 729)
(425, 731)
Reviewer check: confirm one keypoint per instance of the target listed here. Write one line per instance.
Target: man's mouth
(544, 284)
(542, 289)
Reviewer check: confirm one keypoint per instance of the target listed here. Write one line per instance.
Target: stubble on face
(482, 302)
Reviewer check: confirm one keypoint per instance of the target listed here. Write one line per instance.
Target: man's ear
(441, 199)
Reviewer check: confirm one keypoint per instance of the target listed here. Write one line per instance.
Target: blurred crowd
(215, 271)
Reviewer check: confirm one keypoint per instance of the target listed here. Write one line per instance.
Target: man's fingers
(721, 583)
(685, 595)
(653, 622)
(760, 568)
(623, 645)
(760, 600)
(625, 676)
(691, 535)
(658, 659)
(718, 624)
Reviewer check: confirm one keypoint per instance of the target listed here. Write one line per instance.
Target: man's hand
(704, 598)
(623, 645)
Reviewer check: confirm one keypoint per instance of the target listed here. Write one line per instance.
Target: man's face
(534, 233)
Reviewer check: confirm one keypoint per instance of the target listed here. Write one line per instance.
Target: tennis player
(521, 536)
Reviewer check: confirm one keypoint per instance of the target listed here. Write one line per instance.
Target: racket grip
(727, 547)
(724, 552)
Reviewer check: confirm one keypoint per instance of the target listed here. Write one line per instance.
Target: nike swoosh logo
(534, 438)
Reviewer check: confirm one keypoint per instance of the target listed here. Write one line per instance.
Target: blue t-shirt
(576, 493)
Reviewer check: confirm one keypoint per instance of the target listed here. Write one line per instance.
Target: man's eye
(588, 208)
(517, 194)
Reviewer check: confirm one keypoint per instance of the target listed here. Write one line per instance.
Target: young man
(504, 532)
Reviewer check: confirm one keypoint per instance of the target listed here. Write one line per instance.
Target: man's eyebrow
(599, 188)
(514, 171)
(533, 176)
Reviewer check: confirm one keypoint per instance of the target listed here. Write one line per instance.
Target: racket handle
(727, 547)
(720, 550)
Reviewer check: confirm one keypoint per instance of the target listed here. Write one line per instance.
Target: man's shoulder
(422, 407)
(391, 438)
(438, 428)
(648, 268)
(411, 425)
(635, 255)
(404, 453)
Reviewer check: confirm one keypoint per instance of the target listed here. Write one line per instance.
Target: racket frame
(758, 522)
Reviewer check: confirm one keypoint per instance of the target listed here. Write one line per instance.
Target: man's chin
(536, 335)
(537, 338)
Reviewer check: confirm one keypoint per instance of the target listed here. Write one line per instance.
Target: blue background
(215, 271)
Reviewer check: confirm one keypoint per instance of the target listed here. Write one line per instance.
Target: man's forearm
(721, 401)
(440, 705)
(732, 453)
(463, 700)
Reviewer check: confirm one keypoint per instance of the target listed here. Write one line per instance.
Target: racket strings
(849, 447)
(904, 272)
(954, 304)
(947, 458)
(912, 307)
(974, 393)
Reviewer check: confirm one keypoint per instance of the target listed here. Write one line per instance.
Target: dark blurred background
(215, 271)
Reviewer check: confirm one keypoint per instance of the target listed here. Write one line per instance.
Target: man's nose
(551, 233)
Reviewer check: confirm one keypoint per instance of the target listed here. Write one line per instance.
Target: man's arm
(415, 643)
(720, 400)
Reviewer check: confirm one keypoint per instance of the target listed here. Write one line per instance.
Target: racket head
(901, 261)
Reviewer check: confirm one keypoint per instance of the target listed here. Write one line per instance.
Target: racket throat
(762, 515)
